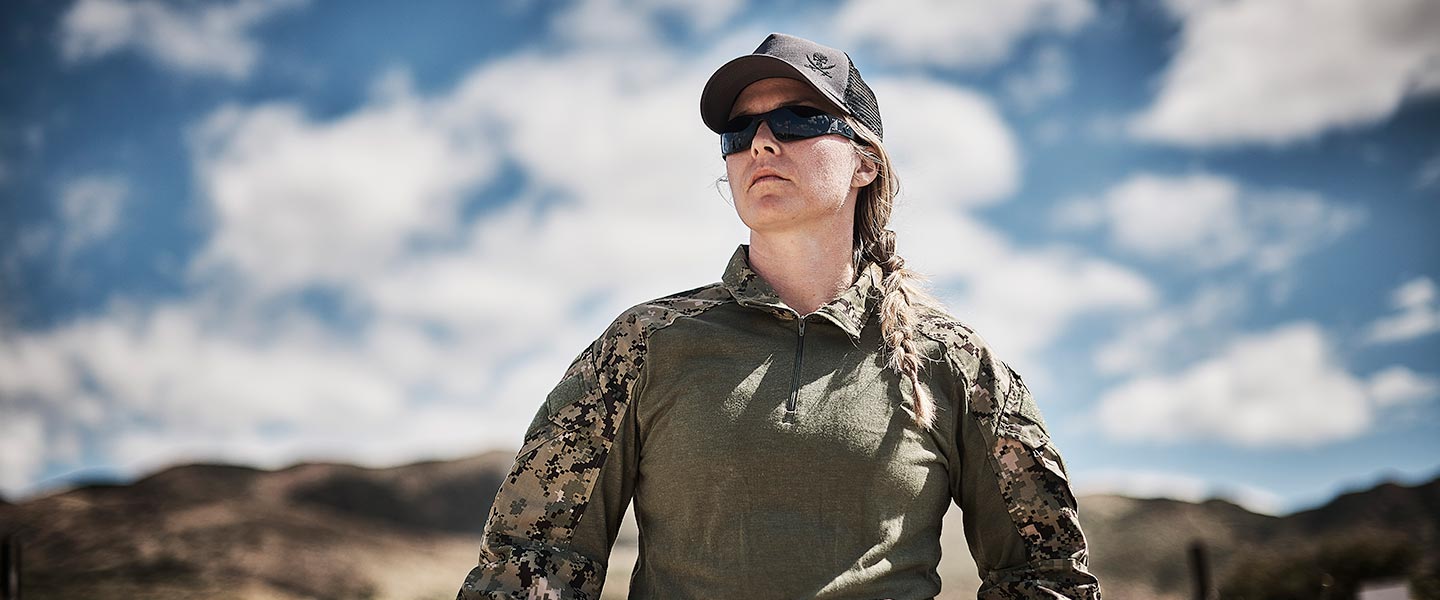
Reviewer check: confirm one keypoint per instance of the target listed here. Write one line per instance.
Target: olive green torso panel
(843, 487)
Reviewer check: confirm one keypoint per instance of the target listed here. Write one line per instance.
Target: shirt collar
(848, 311)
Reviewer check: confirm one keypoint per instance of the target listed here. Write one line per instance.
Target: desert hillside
(338, 531)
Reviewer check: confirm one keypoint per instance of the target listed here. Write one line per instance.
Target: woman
(799, 429)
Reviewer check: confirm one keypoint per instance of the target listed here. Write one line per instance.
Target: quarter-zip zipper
(794, 400)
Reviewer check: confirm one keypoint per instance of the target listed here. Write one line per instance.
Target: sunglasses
(787, 123)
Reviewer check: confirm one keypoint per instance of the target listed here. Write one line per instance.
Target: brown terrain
(337, 531)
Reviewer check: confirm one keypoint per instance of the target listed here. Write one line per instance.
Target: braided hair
(902, 289)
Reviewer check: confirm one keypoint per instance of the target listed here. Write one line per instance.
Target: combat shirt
(773, 455)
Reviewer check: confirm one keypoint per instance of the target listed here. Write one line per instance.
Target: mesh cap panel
(861, 102)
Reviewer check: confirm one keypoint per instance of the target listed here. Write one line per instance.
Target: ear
(865, 172)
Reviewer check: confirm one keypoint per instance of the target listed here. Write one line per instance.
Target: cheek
(831, 166)
(734, 173)
(732, 169)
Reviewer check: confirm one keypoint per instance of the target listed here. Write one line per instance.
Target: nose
(764, 140)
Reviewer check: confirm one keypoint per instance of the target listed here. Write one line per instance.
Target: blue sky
(282, 230)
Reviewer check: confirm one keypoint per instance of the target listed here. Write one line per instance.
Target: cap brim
(732, 78)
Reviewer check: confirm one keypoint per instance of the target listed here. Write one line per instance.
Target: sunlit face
(804, 183)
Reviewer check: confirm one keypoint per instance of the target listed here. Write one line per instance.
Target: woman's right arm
(557, 513)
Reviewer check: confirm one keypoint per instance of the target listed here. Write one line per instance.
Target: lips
(765, 174)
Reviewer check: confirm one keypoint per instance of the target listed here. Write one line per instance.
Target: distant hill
(1140, 548)
(411, 532)
(1386, 507)
(310, 531)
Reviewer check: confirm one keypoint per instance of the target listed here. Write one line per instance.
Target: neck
(807, 271)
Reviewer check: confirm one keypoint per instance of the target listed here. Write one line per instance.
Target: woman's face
(799, 184)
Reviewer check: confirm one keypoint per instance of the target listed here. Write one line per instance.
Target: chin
(768, 213)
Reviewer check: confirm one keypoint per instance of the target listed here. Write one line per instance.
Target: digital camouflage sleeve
(1020, 516)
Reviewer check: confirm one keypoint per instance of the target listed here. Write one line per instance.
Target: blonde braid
(897, 325)
(902, 289)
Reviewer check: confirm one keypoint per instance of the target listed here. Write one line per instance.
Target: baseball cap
(827, 70)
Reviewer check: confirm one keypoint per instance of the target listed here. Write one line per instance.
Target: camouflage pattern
(524, 553)
(1028, 470)
(528, 550)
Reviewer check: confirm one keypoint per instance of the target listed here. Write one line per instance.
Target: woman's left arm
(1021, 519)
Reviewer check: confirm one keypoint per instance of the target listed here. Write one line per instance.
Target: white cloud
(968, 159)
(1278, 71)
(1153, 484)
(1417, 292)
(293, 202)
(971, 33)
(1400, 385)
(1209, 221)
(1282, 387)
(1417, 314)
(21, 434)
(1020, 300)
(200, 380)
(1195, 216)
(1026, 300)
(636, 22)
(90, 210)
(1174, 333)
(1047, 78)
(205, 39)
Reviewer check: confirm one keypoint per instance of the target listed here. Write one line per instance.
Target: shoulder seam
(689, 294)
(700, 300)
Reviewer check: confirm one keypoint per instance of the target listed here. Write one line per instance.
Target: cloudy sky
(276, 230)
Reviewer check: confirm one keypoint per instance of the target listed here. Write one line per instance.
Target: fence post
(1200, 569)
(10, 567)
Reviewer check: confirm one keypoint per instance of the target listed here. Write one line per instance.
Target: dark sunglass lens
(731, 143)
(799, 122)
(738, 124)
(738, 133)
(736, 141)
